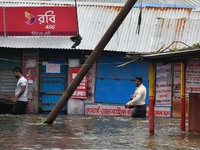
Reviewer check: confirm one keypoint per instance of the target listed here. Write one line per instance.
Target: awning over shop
(177, 56)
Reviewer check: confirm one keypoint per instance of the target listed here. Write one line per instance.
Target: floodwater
(27, 132)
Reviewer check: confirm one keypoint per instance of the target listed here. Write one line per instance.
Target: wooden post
(183, 72)
(151, 98)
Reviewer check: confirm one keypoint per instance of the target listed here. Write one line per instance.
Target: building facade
(48, 60)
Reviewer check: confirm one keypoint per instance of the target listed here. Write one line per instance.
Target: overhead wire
(64, 64)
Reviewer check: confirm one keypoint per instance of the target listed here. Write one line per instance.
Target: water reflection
(92, 132)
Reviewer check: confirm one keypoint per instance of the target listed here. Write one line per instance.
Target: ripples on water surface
(27, 132)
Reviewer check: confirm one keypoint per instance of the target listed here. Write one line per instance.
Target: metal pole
(151, 98)
(90, 61)
(183, 72)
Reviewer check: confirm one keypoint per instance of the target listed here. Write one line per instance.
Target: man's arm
(137, 97)
(23, 88)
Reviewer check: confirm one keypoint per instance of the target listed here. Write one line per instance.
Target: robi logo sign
(41, 21)
(31, 18)
(47, 17)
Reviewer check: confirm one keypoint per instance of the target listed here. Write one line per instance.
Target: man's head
(138, 81)
(17, 71)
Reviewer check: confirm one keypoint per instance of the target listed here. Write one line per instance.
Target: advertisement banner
(192, 85)
(107, 110)
(41, 21)
(1, 22)
(120, 110)
(160, 111)
(163, 85)
(192, 78)
(81, 90)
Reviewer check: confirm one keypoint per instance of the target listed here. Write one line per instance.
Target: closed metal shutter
(7, 83)
(9, 58)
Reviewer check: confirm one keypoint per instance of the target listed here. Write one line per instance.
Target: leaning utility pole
(90, 61)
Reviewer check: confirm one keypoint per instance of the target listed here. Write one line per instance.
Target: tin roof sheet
(159, 2)
(159, 28)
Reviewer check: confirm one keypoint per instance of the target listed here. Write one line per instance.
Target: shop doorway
(53, 82)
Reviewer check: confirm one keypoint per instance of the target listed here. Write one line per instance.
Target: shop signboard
(81, 90)
(1, 22)
(41, 21)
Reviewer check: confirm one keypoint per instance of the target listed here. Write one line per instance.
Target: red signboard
(1, 22)
(81, 90)
(41, 21)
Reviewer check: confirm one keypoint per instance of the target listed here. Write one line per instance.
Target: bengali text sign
(41, 21)
(82, 89)
(120, 110)
(163, 85)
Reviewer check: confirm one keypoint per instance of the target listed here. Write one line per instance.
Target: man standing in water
(21, 90)
(137, 101)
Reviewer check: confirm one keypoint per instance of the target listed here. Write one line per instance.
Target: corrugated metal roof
(159, 28)
(181, 2)
(158, 2)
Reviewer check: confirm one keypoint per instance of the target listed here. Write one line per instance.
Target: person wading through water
(20, 99)
(137, 101)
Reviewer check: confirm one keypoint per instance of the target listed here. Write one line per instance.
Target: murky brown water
(92, 132)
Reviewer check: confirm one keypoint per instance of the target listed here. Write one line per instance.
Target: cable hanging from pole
(139, 20)
(76, 39)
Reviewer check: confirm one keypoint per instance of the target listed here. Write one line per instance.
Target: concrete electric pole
(90, 61)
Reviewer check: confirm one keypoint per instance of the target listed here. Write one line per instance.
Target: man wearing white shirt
(21, 90)
(137, 101)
